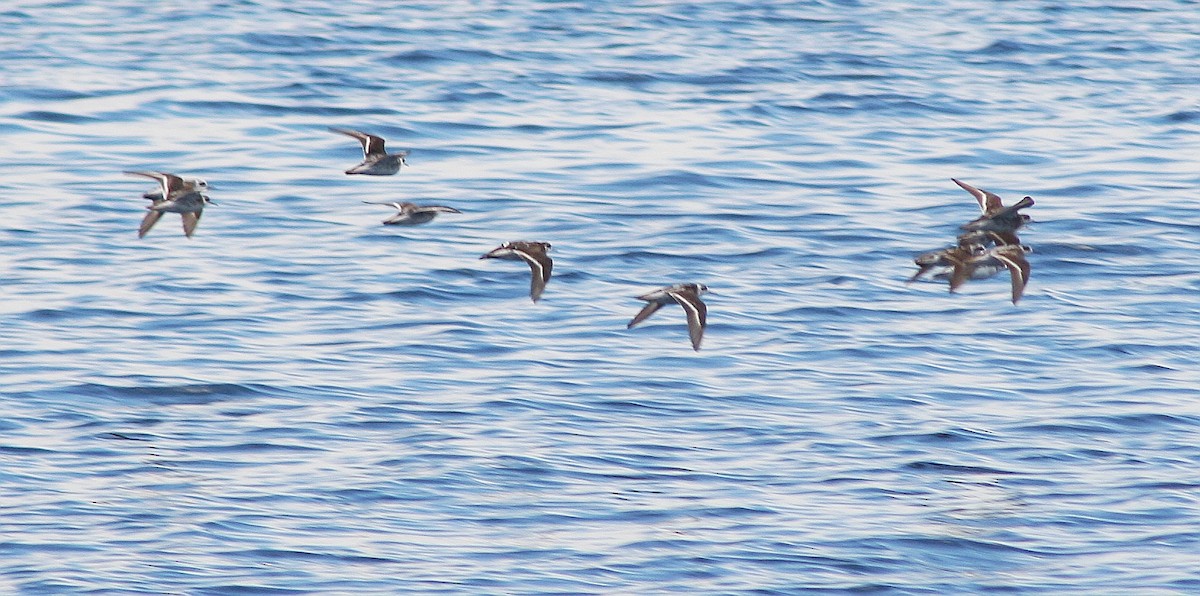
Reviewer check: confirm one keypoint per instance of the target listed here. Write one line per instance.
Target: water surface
(300, 400)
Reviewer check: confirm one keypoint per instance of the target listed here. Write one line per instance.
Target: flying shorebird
(411, 214)
(533, 253)
(969, 244)
(184, 196)
(945, 258)
(376, 160)
(988, 262)
(996, 217)
(686, 295)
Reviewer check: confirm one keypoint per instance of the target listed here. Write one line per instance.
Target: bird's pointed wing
(962, 272)
(168, 182)
(1018, 266)
(540, 266)
(148, 222)
(540, 262)
(649, 309)
(190, 220)
(371, 144)
(922, 271)
(987, 201)
(697, 314)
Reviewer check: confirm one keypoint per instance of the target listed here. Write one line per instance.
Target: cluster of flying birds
(987, 245)
(186, 196)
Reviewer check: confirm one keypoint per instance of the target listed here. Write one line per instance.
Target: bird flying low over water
(533, 253)
(376, 160)
(184, 196)
(996, 217)
(989, 245)
(411, 214)
(987, 262)
(945, 258)
(686, 295)
(969, 244)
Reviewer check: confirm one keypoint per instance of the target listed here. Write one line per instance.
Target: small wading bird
(411, 214)
(184, 196)
(968, 245)
(987, 262)
(989, 245)
(996, 217)
(533, 253)
(376, 160)
(946, 258)
(686, 295)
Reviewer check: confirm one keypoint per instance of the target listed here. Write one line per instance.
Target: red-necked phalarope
(184, 196)
(533, 253)
(376, 160)
(686, 295)
(996, 217)
(411, 214)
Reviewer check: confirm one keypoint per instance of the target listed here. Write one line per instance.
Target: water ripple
(300, 400)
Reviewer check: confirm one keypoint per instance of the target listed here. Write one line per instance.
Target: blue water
(300, 400)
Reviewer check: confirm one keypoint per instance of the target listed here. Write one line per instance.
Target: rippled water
(300, 400)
